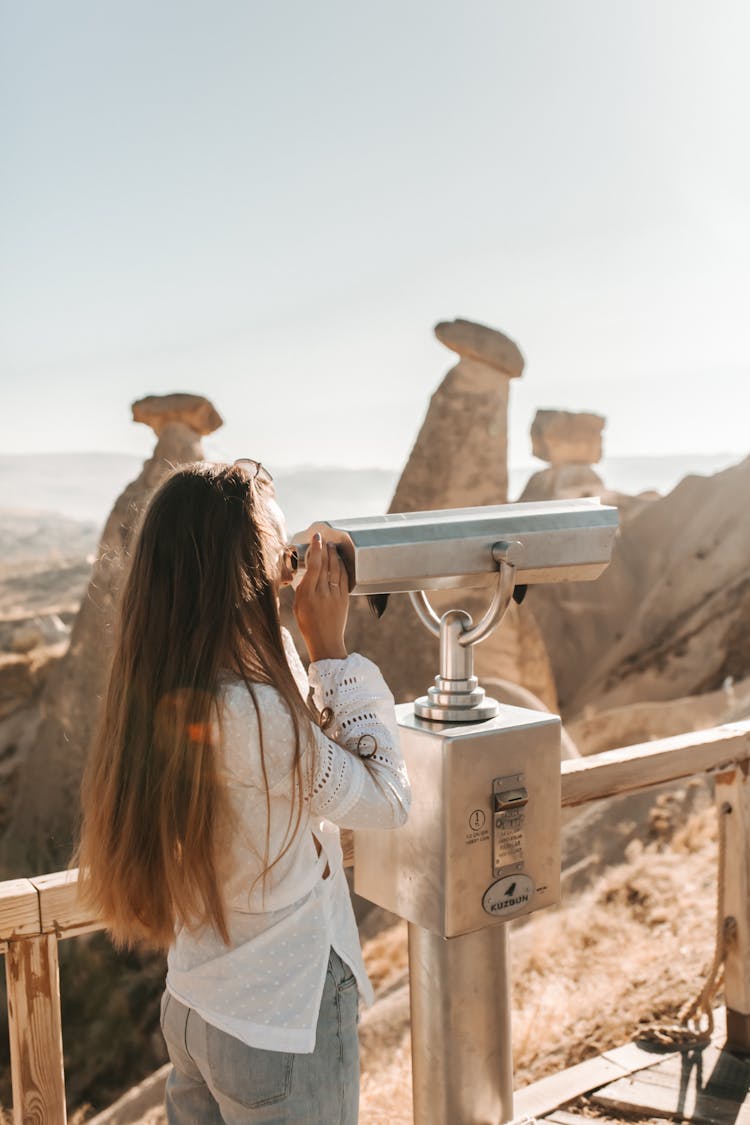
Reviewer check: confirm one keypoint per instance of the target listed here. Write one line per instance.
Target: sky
(273, 204)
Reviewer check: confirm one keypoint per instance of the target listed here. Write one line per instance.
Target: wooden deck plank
(655, 1077)
(633, 1095)
(545, 1097)
(716, 1072)
(708, 1085)
(569, 1117)
(557, 1089)
(708, 1059)
(566, 1117)
(636, 1056)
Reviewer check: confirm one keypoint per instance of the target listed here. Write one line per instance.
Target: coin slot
(511, 799)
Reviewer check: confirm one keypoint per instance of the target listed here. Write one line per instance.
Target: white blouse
(265, 987)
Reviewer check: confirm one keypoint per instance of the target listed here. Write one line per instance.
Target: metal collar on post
(456, 696)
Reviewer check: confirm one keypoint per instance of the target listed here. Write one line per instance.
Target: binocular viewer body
(482, 843)
(560, 541)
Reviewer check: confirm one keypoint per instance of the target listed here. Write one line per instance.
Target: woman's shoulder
(249, 697)
(255, 715)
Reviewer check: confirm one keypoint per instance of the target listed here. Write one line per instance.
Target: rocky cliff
(671, 616)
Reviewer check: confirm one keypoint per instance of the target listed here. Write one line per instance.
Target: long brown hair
(199, 599)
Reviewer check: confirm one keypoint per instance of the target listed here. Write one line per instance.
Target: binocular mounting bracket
(456, 696)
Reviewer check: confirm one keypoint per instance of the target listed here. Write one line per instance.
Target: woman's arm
(360, 779)
(340, 784)
(359, 776)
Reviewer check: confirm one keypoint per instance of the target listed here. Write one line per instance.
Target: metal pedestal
(462, 1062)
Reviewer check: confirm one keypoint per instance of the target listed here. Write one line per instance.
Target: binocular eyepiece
(294, 560)
(294, 566)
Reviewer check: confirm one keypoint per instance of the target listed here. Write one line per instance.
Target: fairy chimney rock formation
(460, 456)
(570, 443)
(459, 459)
(564, 438)
(193, 411)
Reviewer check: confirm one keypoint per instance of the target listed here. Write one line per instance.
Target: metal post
(462, 1065)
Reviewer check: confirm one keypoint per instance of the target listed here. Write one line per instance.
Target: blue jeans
(216, 1078)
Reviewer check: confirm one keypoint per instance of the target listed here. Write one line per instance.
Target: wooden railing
(36, 913)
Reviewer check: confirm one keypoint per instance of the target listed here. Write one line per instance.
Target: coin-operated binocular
(482, 842)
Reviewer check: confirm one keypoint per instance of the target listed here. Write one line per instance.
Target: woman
(213, 797)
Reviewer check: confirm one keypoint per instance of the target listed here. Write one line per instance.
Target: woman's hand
(321, 601)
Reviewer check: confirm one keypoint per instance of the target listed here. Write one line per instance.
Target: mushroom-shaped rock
(195, 411)
(565, 438)
(477, 341)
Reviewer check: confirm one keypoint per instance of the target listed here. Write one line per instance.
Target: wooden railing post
(733, 805)
(36, 1051)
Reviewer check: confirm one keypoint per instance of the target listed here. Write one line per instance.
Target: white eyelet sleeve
(360, 779)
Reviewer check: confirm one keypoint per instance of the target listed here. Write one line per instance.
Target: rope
(694, 1025)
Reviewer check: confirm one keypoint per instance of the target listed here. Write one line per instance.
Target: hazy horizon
(84, 486)
(530, 462)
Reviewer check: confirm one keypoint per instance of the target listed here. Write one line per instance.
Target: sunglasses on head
(254, 470)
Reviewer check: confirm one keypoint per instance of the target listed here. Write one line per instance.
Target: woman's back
(213, 801)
